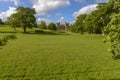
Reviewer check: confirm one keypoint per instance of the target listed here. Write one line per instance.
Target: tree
(1, 22)
(113, 29)
(102, 16)
(113, 37)
(117, 6)
(52, 26)
(5, 39)
(13, 21)
(91, 24)
(24, 18)
(78, 26)
(43, 25)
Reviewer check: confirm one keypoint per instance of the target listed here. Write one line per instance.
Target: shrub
(52, 26)
(5, 39)
(113, 37)
(39, 31)
(42, 25)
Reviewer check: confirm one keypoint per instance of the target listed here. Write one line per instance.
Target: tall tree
(43, 25)
(113, 37)
(52, 26)
(105, 10)
(13, 21)
(113, 29)
(78, 26)
(24, 18)
(1, 22)
(90, 24)
(117, 6)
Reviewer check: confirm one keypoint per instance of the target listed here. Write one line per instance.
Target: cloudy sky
(50, 10)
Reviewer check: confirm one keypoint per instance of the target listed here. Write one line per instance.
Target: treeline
(50, 26)
(105, 20)
(25, 18)
(98, 20)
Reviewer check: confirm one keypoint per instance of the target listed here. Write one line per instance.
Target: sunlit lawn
(57, 57)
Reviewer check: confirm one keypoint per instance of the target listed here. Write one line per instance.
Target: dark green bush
(52, 26)
(42, 25)
(113, 37)
(39, 31)
(5, 39)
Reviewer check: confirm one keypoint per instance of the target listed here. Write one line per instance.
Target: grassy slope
(57, 57)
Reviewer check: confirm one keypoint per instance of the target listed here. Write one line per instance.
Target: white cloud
(44, 7)
(96, 1)
(8, 13)
(16, 2)
(61, 19)
(43, 19)
(85, 10)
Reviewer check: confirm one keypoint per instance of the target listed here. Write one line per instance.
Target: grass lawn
(57, 57)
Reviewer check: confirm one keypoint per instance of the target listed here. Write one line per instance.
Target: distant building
(64, 26)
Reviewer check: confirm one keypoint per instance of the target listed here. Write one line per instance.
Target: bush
(113, 37)
(42, 25)
(5, 39)
(39, 31)
(52, 26)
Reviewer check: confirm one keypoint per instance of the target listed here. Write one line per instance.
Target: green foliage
(43, 25)
(23, 18)
(78, 26)
(1, 22)
(52, 26)
(117, 6)
(96, 21)
(113, 37)
(5, 39)
(90, 24)
(13, 21)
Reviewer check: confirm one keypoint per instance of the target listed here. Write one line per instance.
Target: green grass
(8, 29)
(57, 57)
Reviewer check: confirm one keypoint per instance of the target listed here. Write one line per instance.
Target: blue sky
(50, 10)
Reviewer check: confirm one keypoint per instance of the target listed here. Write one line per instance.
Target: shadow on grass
(42, 32)
(84, 72)
(8, 32)
(104, 79)
(39, 33)
(47, 33)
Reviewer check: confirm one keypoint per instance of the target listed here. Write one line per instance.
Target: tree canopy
(96, 21)
(1, 22)
(78, 26)
(42, 25)
(113, 37)
(52, 26)
(105, 18)
(113, 29)
(6, 38)
(24, 17)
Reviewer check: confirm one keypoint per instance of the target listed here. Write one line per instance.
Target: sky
(50, 10)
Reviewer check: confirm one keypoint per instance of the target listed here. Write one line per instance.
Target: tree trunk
(14, 28)
(24, 29)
